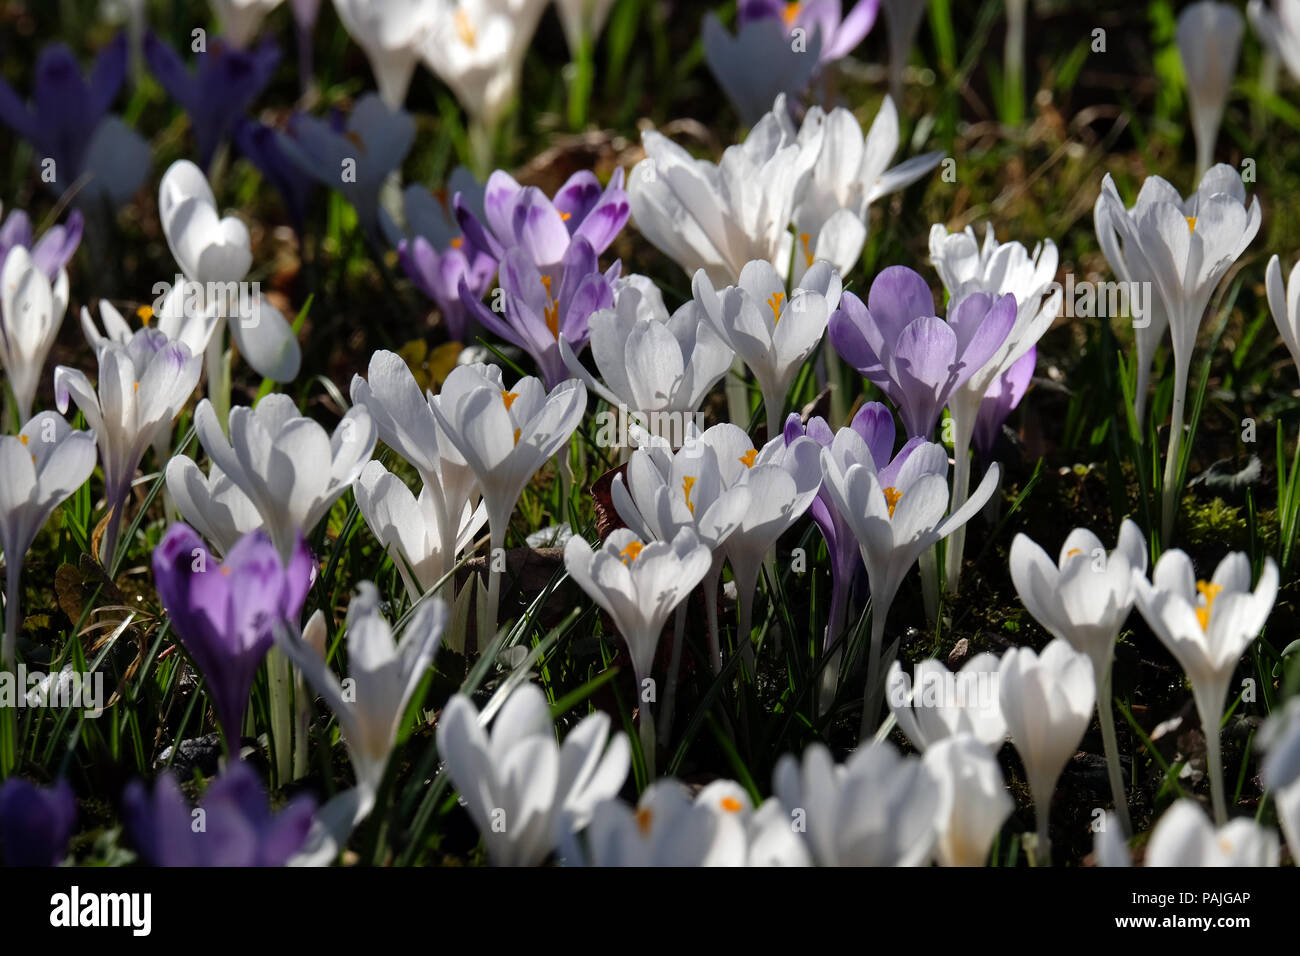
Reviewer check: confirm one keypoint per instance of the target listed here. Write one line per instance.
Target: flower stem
(1171, 493)
(872, 694)
(13, 594)
(1106, 714)
(711, 582)
(647, 730)
(962, 425)
(1042, 817)
(674, 668)
(488, 626)
(1211, 713)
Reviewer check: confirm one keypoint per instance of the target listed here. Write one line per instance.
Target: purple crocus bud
(261, 146)
(224, 84)
(66, 110)
(232, 826)
(439, 276)
(52, 251)
(540, 308)
(523, 217)
(1002, 397)
(35, 822)
(916, 358)
(224, 612)
(840, 35)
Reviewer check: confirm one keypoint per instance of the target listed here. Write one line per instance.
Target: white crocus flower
(291, 468)
(769, 836)
(505, 436)
(666, 828)
(1278, 30)
(1284, 303)
(1185, 837)
(720, 217)
(1187, 247)
(877, 809)
(39, 468)
(1280, 735)
(649, 361)
(525, 793)
(31, 311)
(639, 585)
(212, 505)
(782, 481)
(852, 171)
(193, 329)
(1209, 40)
(143, 385)
(936, 704)
(1207, 626)
(661, 493)
(1047, 702)
(1084, 598)
(582, 21)
(894, 525)
(973, 801)
(241, 19)
(748, 318)
(477, 48)
(214, 255)
(383, 674)
(410, 527)
(358, 160)
(392, 34)
(902, 22)
(1006, 268)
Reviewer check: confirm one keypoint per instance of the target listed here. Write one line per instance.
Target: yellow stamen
(747, 459)
(225, 572)
(688, 483)
(891, 498)
(551, 311)
(807, 253)
(517, 431)
(1225, 845)
(354, 138)
(1073, 551)
(631, 552)
(730, 804)
(790, 13)
(24, 439)
(1191, 223)
(644, 817)
(774, 303)
(441, 196)
(1210, 591)
(457, 242)
(145, 314)
(465, 29)
(136, 389)
(509, 398)
(566, 216)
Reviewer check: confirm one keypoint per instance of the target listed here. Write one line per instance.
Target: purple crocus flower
(540, 308)
(260, 145)
(439, 275)
(875, 424)
(35, 822)
(224, 612)
(523, 217)
(917, 359)
(1002, 397)
(224, 84)
(66, 110)
(52, 251)
(238, 827)
(840, 35)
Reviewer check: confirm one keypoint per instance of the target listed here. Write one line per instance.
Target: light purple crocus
(875, 424)
(439, 275)
(66, 109)
(263, 146)
(238, 827)
(840, 35)
(540, 308)
(1000, 400)
(52, 251)
(224, 612)
(897, 341)
(225, 82)
(522, 217)
(35, 822)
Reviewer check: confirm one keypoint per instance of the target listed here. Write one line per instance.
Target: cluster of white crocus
(821, 179)
(31, 311)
